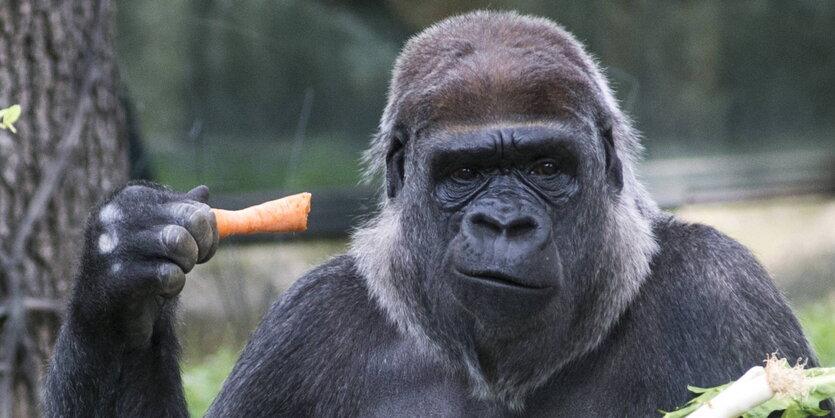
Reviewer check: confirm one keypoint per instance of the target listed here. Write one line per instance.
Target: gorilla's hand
(140, 244)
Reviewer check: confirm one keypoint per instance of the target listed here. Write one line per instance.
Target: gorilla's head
(513, 232)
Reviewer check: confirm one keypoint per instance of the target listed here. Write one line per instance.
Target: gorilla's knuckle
(202, 217)
(173, 235)
(188, 213)
(179, 210)
(178, 239)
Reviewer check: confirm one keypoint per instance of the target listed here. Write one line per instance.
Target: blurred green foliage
(818, 320)
(202, 380)
(700, 78)
(228, 163)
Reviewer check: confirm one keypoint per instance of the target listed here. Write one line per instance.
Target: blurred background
(261, 98)
(736, 101)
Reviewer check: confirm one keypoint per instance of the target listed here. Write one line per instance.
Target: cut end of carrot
(288, 214)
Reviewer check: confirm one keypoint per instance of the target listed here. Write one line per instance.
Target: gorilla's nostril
(520, 226)
(511, 225)
(483, 220)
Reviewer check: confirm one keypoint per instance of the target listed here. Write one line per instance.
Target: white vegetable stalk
(750, 390)
(757, 386)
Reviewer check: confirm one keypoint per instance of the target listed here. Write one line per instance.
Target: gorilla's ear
(394, 163)
(614, 171)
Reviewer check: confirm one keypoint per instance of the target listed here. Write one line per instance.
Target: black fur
(117, 354)
(516, 268)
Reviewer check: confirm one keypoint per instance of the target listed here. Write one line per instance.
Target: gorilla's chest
(422, 393)
(427, 393)
(403, 384)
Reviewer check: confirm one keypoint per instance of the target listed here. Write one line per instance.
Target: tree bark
(56, 61)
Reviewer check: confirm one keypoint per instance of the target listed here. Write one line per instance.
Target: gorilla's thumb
(199, 193)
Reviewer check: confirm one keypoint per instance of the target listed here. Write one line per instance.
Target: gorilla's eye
(545, 168)
(464, 174)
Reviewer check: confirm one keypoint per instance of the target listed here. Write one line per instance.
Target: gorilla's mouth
(498, 278)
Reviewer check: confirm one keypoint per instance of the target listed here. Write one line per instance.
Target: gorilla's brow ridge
(449, 138)
(472, 127)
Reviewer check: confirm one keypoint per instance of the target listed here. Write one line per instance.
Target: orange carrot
(288, 214)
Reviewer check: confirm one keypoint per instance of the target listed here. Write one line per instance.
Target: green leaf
(706, 395)
(9, 116)
(764, 409)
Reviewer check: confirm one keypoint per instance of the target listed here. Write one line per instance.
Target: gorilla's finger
(200, 221)
(171, 279)
(199, 193)
(171, 242)
(203, 227)
(145, 313)
(214, 241)
(154, 277)
(180, 246)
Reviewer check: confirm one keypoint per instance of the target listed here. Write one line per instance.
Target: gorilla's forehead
(485, 68)
(507, 133)
(489, 93)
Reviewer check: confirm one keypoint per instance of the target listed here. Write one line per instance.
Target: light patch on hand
(108, 242)
(115, 268)
(110, 214)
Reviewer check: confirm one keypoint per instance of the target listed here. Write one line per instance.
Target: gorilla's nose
(510, 224)
(505, 228)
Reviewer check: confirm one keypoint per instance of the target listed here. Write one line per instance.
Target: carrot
(288, 214)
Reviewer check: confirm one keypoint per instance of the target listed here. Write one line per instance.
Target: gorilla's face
(508, 228)
(503, 194)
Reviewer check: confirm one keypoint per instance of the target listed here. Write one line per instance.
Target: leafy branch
(796, 391)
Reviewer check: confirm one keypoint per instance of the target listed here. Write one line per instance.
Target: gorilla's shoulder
(707, 311)
(334, 279)
(706, 255)
(332, 295)
(702, 275)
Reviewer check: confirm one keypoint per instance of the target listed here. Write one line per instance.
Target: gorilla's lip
(498, 278)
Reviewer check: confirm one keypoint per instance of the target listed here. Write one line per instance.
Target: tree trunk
(56, 61)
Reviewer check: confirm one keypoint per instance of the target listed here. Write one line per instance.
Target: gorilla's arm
(116, 354)
(97, 375)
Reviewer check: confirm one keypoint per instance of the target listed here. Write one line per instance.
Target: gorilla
(516, 267)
